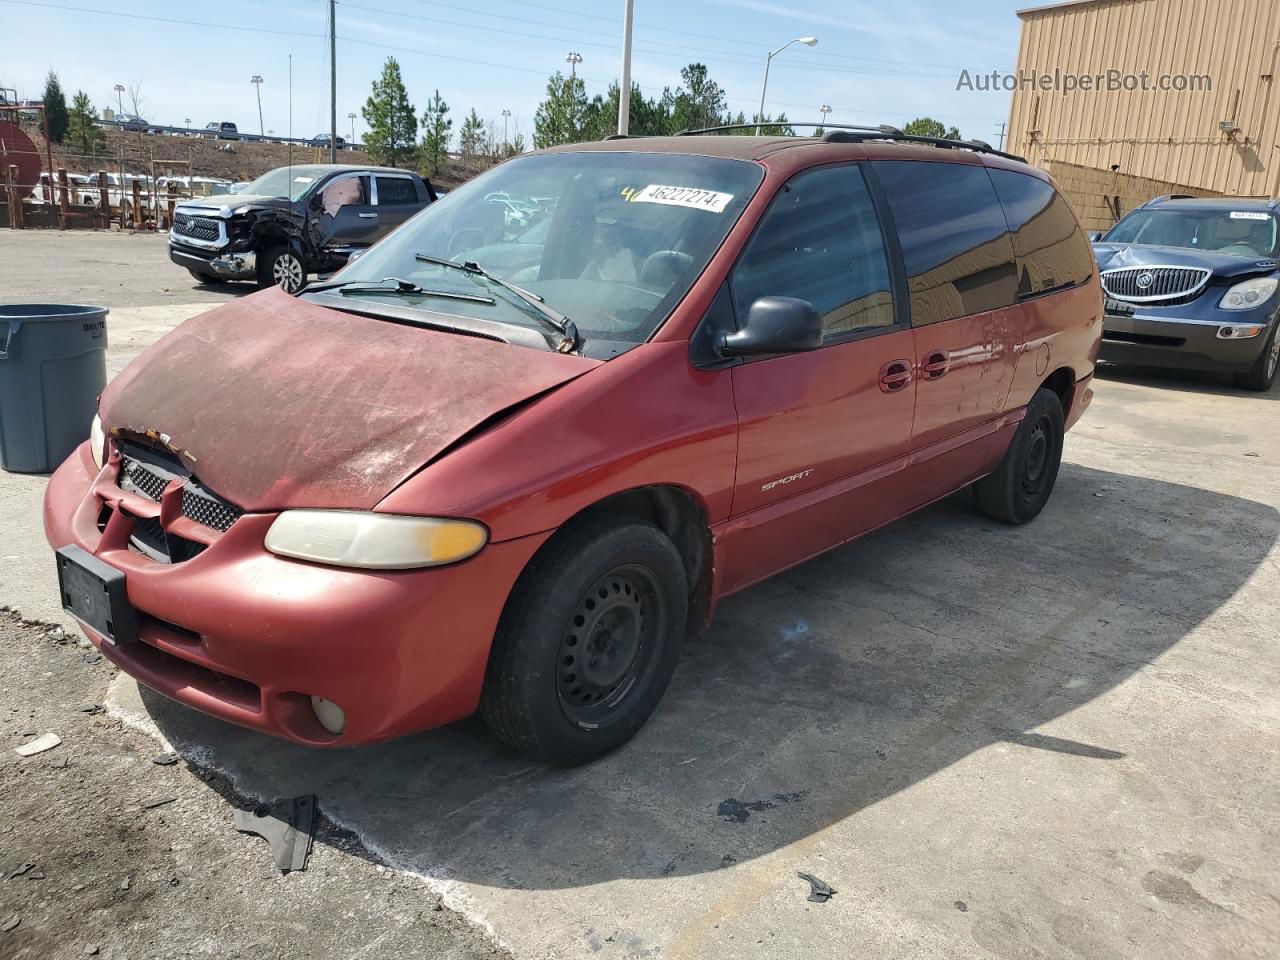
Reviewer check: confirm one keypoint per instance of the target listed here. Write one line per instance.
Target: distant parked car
(293, 221)
(1193, 284)
(131, 122)
(221, 131)
(322, 140)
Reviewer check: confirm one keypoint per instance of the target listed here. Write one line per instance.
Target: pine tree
(562, 117)
(55, 109)
(393, 124)
(83, 133)
(928, 127)
(436, 126)
(471, 137)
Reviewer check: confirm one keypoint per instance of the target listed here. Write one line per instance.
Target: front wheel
(1262, 374)
(587, 643)
(281, 267)
(1021, 485)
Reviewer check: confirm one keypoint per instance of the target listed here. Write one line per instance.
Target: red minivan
(510, 463)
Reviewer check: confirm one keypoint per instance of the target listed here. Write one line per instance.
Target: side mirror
(1095, 236)
(775, 325)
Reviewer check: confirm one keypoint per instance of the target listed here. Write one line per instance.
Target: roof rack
(846, 133)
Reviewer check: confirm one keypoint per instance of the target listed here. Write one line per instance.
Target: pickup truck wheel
(587, 643)
(205, 277)
(1263, 373)
(280, 267)
(1021, 485)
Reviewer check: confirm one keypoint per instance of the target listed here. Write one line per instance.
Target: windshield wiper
(554, 318)
(345, 287)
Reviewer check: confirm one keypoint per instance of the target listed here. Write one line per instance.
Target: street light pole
(120, 96)
(352, 118)
(573, 59)
(624, 91)
(824, 110)
(808, 42)
(257, 85)
(505, 141)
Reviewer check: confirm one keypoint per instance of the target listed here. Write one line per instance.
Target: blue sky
(875, 61)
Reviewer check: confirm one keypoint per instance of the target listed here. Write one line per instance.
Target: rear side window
(1051, 250)
(955, 241)
(820, 241)
(393, 190)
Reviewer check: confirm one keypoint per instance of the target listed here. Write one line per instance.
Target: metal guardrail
(129, 126)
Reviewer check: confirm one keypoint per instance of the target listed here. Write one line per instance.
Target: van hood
(1114, 256)
(273, 402)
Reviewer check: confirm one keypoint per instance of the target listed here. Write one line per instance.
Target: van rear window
(1051, 249)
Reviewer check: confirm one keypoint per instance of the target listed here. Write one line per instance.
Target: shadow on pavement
(815, 695)
(1185, 381)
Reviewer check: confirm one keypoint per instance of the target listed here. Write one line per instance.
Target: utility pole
(573, 59)
(257, 85)
(624, 91)
(1002, 128)
(333, 82)
(505, 141)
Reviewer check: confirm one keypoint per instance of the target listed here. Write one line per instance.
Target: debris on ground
(819, 890)
(93, 709)
(94, 657)
(288, 826)
(21, 869)
(10, 924)
(157, 802)
(165, 759)
(39, 745)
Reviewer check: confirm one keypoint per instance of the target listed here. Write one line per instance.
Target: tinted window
(954, 238)
(396, 190)
(1051, 250)
(820, 241)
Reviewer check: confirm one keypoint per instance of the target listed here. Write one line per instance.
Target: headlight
(1249, 294)
(97, 440)
(350, 538)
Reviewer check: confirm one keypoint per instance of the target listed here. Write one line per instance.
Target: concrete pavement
(1060, 740)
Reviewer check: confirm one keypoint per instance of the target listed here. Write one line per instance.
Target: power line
(139, 16)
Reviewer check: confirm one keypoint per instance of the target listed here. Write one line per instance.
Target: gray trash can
(53, 367)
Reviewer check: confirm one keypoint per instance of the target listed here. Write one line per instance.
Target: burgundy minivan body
(958, 301)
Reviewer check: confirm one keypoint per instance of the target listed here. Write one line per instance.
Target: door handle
(935, 365)
(895, 375)
(368, 216)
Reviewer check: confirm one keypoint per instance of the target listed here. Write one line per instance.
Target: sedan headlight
(97, 440)
(1249, 294)
(379, 541)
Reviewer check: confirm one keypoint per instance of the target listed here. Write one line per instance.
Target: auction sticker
(683, 197)
(1249, 215)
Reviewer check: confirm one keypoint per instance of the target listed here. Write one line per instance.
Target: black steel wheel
(1020, 487)
(587, 642)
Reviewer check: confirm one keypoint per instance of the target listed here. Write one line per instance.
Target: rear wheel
(281, 267)
(1021, 485)
(1263, 373)
(587, 642)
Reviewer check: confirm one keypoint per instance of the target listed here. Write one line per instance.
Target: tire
(205, 277)
(587, 642)
(1022, 484)
(281, 267)
(1262, 374)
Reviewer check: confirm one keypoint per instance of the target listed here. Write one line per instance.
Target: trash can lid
(34, 312)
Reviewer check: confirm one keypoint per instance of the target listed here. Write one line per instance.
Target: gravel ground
(105, 853)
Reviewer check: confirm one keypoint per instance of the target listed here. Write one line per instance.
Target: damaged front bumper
(239, 265)
(250, 637)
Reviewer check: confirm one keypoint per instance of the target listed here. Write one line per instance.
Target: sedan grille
(203, 506)
(1152, 284)
(197, 228)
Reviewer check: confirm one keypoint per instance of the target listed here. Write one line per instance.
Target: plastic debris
(165, 760)
(39, 745)
(289, 826)
(819, 891)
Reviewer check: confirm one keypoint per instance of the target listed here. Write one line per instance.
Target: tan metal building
(1207, 122)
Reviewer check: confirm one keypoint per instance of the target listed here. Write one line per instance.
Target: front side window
(820, 241)
(396, 190)
(612, 240)
(955, 241)
(1051, 250)
(344, 192)
(1250, 234)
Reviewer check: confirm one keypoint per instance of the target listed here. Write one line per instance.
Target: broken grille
(203, 506)
(198, 228)
(1150, 284)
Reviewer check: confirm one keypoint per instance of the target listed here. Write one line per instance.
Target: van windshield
(1250, 234)
(611, 240)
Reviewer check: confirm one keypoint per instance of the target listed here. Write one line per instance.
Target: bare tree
(136, 100)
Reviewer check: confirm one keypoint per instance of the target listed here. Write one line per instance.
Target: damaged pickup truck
(293, 221)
